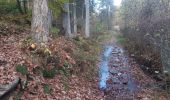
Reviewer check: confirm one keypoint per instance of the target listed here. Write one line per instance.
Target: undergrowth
(106, 36)
(86, 56)
(120, 39)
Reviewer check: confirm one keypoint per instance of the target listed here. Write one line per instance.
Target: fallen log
(5, 89)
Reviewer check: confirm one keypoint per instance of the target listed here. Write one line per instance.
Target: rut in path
(117, 75)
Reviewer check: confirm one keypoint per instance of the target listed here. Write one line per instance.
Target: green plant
(65, 68)
(46, 88)
(38, 70)
(21, 69)
(29, 39)
(17, 95)
(78, 38)
(66, 64)
(86, 57)
(49, 73)
(120, 39)
(65, 83)
(6, 8)
(105, 36)
(54, 31)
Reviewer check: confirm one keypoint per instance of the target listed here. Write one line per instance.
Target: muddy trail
(121, 78)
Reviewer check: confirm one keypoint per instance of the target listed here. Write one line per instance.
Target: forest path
(121, 78)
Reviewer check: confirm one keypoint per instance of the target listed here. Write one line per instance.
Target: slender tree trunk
(28, 4)
(19, 6)
(87, 28)
(25, 7)
(66, 20)
(40, 25)
(75, 18)
(109, 18)
(22, 4)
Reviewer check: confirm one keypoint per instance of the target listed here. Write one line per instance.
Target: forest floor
(72, 84)
(121, 78)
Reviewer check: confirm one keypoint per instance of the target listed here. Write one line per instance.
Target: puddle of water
(120, 70)
(131, 85)
(104, 74)
(122, 83)
(108, 51)
(104, 68)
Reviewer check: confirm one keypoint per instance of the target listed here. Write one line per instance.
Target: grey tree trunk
(28, 4)
(87, 28)
(40, 25)
(109, 18)
(22, 4)
(75, 18)
(66, 20)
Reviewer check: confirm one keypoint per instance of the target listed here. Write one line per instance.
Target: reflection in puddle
(104, 69)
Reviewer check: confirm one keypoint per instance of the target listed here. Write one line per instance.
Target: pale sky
(117, 2)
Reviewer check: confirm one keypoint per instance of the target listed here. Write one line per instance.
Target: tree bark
(40, 21)
(66, 20)
(75, 18)
(87, 28)
(109, 18)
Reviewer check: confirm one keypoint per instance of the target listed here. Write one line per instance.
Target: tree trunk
(109, 18)
(40, 21)
(66, 20)
(75, 18)
(28, 4)
(19, 6)
(25, 7)
(87, 28)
